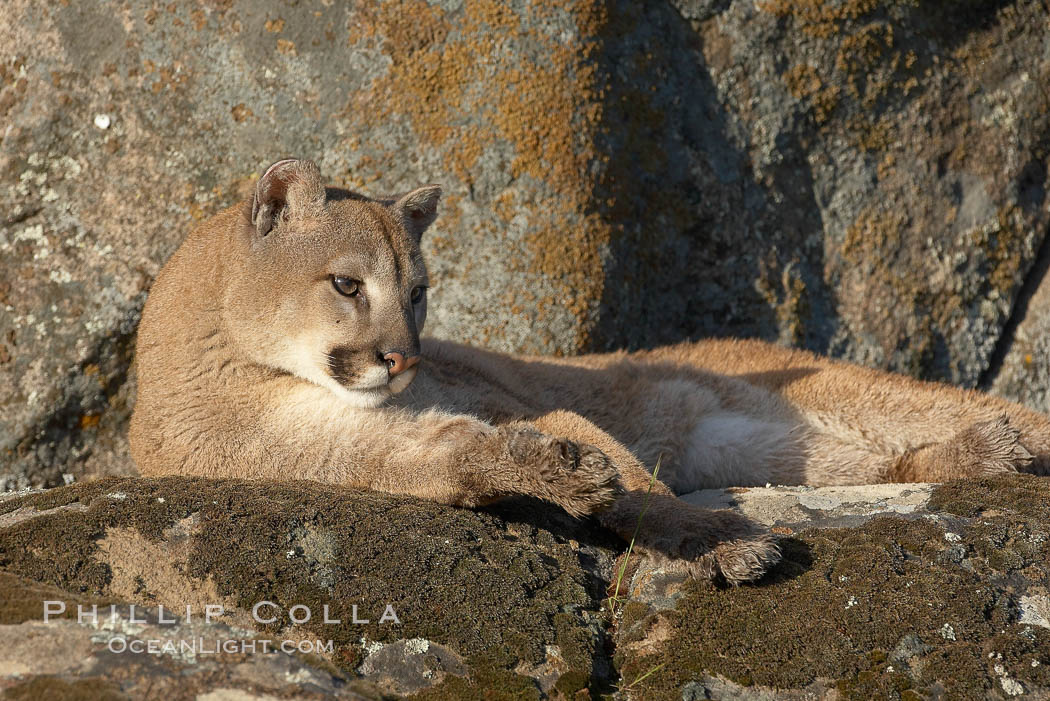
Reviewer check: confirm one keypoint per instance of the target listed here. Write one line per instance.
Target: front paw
(747, 559)
(576, 476)
(715, 545)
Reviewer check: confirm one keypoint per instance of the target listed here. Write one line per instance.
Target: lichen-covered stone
(934, 592)
(1024, 372)
(866, 177)
(504, 598)
(898, 156)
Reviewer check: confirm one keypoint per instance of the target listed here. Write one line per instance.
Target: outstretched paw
(746, 560)
(590, 481)
(576, 476)
(716, 545)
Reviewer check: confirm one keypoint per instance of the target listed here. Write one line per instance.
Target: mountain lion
(282, 341)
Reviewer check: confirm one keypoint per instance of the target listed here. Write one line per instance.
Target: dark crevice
(1018, 312)
(25, 215)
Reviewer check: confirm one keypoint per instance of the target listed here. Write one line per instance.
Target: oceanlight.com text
(210, 646)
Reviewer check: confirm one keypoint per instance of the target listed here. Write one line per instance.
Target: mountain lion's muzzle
(397, 363)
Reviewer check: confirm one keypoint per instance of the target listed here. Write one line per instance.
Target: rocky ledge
(864, 178)
(896, 591)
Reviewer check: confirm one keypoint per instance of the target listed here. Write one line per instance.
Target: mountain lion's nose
(399, 363)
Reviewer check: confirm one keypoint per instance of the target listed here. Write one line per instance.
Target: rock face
(892, 591)
(866, 178)
(1024, 372)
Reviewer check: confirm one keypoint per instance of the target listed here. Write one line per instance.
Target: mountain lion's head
(333, 287)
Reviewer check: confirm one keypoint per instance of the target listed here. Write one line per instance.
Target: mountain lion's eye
(417, 295)
(348, 287)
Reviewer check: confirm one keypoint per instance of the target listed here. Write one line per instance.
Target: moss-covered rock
(886, 591)
(426, 596)
(945, 598)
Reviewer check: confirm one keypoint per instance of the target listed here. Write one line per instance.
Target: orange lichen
(804, 83)
(869, 67)
(545, 104)
(89, 421)
(820, 18)
(241, 112)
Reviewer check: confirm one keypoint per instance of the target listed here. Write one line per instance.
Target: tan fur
(251, 365)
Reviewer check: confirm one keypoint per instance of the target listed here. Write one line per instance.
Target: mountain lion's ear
(418, 209)
(288, 186)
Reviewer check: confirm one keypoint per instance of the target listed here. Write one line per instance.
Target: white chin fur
(376, 385)
(400, 382)
(375, 394)
(373, 397)
(365, 398)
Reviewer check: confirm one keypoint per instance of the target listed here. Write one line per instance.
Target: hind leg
(873, 426)
(984, 448)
